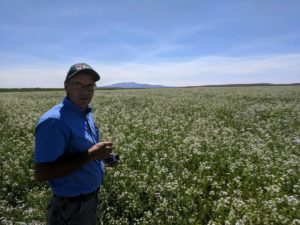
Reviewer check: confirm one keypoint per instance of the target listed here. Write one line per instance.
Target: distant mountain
(131, 85)
(145, 86)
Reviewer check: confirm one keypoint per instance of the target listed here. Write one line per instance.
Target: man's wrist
(86, 156)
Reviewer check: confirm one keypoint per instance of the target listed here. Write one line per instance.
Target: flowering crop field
(188, 156)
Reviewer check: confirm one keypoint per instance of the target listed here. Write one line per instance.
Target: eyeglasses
(83, 87)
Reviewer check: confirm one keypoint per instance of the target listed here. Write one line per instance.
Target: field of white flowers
(189, 156)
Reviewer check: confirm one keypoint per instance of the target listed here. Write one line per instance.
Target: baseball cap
(82, 67)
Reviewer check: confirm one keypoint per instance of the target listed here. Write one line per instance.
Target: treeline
(247, 85)
(29, 89)
(101, 88)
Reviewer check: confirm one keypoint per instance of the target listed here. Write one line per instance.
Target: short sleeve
(51, 138)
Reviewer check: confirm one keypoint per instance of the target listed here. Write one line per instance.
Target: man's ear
(66, 84)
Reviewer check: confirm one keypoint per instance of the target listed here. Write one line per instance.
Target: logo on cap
(81, 66)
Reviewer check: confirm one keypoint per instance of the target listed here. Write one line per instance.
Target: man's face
(80, 89)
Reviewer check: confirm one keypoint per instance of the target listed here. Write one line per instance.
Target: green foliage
(188, 156)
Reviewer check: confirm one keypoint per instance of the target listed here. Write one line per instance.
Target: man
(68, 153)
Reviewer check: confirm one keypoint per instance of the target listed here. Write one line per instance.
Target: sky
(166, 42)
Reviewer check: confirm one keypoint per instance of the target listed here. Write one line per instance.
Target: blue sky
(168, 42)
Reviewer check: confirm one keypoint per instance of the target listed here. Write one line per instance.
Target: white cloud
(31, 78)
(199, 71)
(208, 70)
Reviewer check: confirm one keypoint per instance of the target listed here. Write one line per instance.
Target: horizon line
(162, 86)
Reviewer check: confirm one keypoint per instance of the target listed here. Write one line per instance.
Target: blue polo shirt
(66, 129)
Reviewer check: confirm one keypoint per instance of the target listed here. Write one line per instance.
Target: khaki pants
(73, 211)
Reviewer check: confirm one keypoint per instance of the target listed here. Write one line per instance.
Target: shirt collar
(67, 102)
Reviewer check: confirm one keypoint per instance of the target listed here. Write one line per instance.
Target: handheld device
(112, 159)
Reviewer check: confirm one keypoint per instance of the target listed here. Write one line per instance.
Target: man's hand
(100, 151)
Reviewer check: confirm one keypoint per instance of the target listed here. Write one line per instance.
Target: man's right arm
(67, 163)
